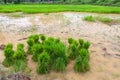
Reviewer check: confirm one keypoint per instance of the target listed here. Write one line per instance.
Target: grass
(98, 18)
(17, 15)
(104, 19)
(89, 18)
(47, 8)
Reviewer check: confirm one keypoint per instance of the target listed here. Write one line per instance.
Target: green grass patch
(89, 18)
(98, 18)
(16, 15)
(48, 8)
(104, 19)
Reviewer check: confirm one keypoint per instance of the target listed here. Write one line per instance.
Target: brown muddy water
(105, 39)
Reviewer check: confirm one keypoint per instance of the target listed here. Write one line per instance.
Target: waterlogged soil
(104, 38)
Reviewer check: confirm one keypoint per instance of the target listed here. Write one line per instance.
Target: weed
(103, 19)
(17, 15)
(89, 18)
(46, 13)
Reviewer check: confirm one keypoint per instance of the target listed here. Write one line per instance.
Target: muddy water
(105, 39)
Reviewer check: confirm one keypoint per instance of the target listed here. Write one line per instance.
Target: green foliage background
(96, 2)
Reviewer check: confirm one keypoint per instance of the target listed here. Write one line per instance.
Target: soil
(105, 39)
(15, 77)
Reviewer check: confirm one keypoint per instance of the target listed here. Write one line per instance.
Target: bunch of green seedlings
(8, 53)
(43, 48)
(33, 39)
(82, 61)
(16, 58)
(43, 63)
(19, 58)
(78, 50)
(50, 53)
(73, 48)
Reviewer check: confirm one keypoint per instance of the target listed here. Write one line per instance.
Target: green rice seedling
(59, 64)
(42, 37)
(85, 65)
(73, 51)
(81, 42)
(8, 62)
(48, 45)
(50, 39)
(57, 40)
(43, 63)
(9, 45)
(35, 37)
(78, 63)
(84, 53)
(81, 65)
(48, 42)
(20, 53)
(31, 41)
(19, 65)
(20, 47)
(19, 58)
(36, 49)
(70, 40)
(55, 48)
(89, 18)
(87, 45)
(59, 50)
(8, 52)
(75, 42)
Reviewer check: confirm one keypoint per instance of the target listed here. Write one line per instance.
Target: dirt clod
(15, 77)
(22, 39)
(2, 46)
